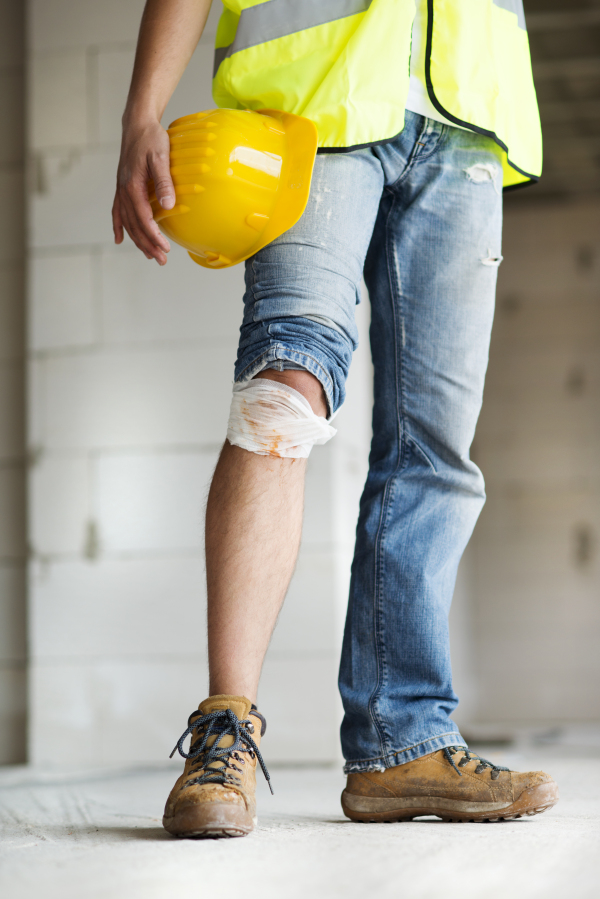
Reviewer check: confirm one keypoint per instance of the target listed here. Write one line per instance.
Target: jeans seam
(325, 381)
(421, 157)
(415, 157)
(385, 506)
(252, 288)
(379, 758)
(449, 733)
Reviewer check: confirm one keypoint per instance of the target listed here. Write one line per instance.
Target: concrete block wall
(12, 398)
(130, 369)
(536, 550)
(130, 381)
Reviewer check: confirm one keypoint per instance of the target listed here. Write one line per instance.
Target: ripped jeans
(421, 217)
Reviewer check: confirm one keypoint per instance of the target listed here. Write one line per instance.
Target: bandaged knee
(272, 419)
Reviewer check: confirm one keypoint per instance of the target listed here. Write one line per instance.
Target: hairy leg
(253, 528)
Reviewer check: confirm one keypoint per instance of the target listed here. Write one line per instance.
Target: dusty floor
(98, 836)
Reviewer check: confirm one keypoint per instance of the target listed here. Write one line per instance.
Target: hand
(144, 157)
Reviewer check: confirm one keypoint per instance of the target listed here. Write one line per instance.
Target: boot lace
(219, 724)
(469, 756)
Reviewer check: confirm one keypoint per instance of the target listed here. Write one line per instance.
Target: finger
(141, 241)
(140, 212)
(159, 165)
(150, 250)
(117, 220)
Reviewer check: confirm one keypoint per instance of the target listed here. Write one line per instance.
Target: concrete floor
(98, 836)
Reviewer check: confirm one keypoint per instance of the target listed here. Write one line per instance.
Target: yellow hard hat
(241, 179)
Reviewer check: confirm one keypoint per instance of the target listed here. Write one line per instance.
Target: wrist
(140, 116)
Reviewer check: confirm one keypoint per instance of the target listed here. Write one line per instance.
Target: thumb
(163, 183)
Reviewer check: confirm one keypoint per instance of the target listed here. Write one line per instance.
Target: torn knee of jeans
(492, 260)
(483, 173)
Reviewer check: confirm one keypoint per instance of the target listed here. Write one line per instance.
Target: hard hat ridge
(241, 179)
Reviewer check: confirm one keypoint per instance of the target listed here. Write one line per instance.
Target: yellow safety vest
(345, 65)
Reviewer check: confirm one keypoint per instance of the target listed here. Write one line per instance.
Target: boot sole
(370, 809)
(209, 833)
(210, 821)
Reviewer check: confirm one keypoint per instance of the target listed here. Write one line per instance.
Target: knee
(279, 414)
(304, 382)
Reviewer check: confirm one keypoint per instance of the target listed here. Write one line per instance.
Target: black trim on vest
(533, 179)
(521, 184)
(373, 143)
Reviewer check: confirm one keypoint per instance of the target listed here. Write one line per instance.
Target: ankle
(225, 687)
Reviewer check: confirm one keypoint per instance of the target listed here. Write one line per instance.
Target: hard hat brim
(301, 140)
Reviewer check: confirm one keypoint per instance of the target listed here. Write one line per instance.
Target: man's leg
(431, 273)
(253, 528)
(432, 296)
(299, 330)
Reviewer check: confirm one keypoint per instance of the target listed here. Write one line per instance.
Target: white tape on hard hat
(272, 419)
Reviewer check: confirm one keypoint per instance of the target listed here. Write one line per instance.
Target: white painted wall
(12, 400)
(535, 554)
(131, 371)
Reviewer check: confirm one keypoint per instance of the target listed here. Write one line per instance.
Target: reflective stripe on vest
(278, 18)
(515, 6)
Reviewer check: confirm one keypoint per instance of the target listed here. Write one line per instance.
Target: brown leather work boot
(472, 790)
(215, 795)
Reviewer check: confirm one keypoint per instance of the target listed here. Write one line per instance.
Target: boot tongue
(238, 704)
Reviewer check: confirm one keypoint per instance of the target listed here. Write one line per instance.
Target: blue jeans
(421, 217)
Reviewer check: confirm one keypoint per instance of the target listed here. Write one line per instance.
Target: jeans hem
(280, 353)
(408, 754)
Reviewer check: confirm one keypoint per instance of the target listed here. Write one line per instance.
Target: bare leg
(253, 528)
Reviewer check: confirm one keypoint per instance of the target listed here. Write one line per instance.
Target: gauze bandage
(272, 419)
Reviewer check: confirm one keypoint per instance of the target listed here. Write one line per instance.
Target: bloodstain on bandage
(272, 419)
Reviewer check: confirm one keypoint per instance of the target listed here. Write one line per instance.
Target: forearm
(169, 33)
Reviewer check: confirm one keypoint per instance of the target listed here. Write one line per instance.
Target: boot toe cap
(533, 780)
(209, 813)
